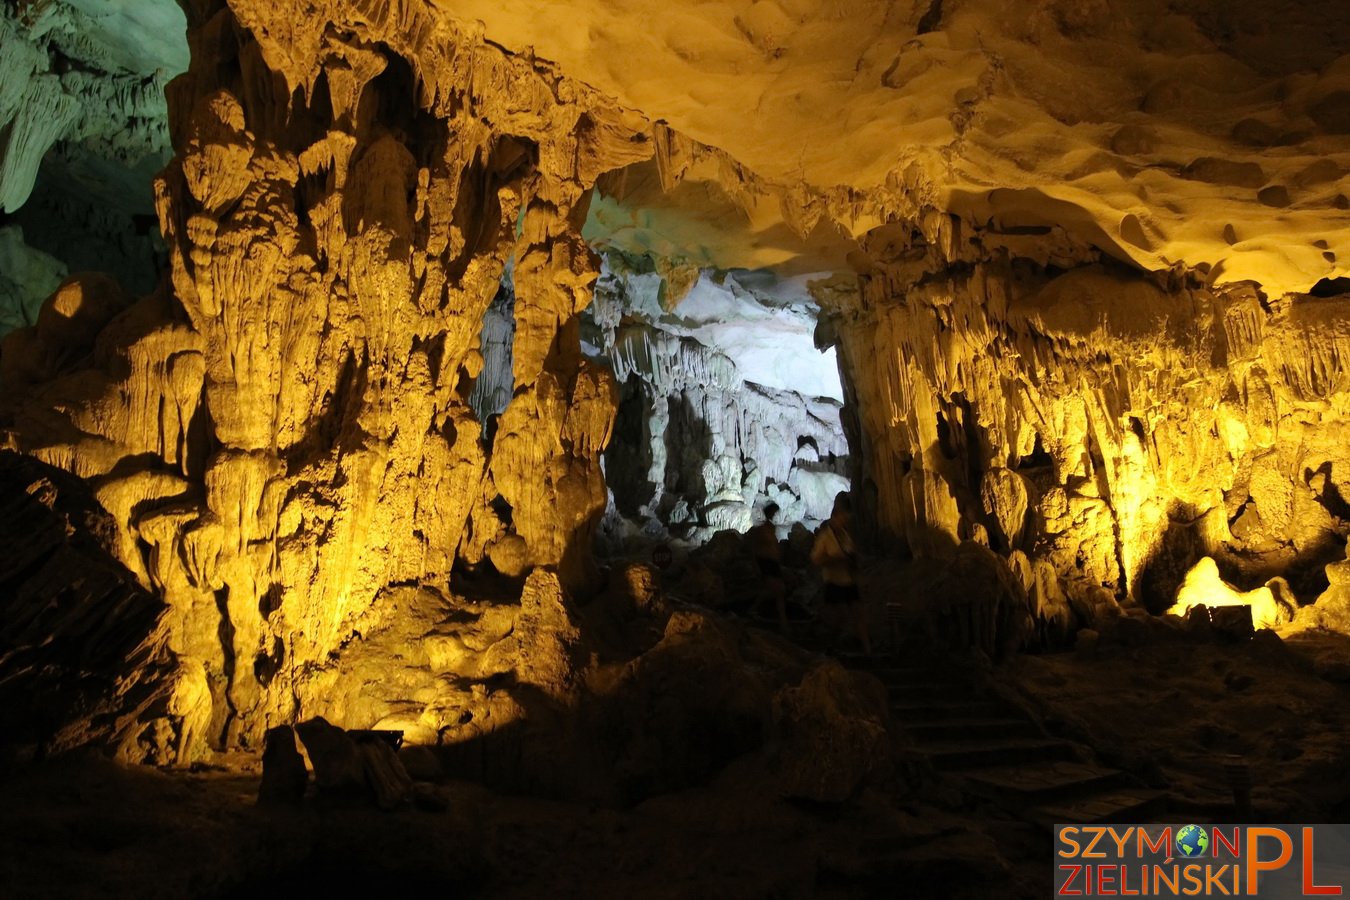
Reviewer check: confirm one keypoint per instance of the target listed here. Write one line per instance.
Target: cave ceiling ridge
(1206, 135)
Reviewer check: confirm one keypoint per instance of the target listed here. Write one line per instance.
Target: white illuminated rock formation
(727, 405)
(1203, 586)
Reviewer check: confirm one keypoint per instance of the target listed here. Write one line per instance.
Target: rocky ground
(1176, 710)
(85, 828)
(1165, 703)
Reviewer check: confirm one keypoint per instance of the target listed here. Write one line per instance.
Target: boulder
(973, 600)
(284, 777)
(1203, 585)
(1332, 608)
(384, 773)
(339, 772)
(355, 768)
(684, 709)
(834, 734)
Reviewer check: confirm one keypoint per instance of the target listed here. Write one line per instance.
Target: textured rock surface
(1203, 585)
(286, 430)
(726, 406)
(1146, 128)
(88, 73)
(1078, 264)
(82, 646)
(1139, 418)
(27, 277)
(836, 739)
(83, 128)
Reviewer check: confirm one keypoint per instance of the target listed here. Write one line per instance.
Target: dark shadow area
(1331, 287)
(1179, 548)
(629, 457)
(1038, 458)
(76, 630)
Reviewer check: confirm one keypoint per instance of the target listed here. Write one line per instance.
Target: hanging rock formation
(701, 446)
(285, 431)
(1082, 264)
(83, 129)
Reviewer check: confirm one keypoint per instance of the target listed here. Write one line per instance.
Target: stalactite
(1130, 391)
(289, 432)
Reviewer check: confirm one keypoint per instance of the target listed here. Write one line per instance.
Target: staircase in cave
(998, 752)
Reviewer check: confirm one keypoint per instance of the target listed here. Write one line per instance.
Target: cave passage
(436, 324)
(726, 405)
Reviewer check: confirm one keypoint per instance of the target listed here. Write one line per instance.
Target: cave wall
(290, 430)
(83, 129)
(285, 431)
(1112, 424)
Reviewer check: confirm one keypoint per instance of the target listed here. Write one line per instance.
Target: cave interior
(398, 397)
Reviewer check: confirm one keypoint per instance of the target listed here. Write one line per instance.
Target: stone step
(912, 710)
(1041, 783)
(983, 752)
(1114, 805)
(931, 690)
(972, 727)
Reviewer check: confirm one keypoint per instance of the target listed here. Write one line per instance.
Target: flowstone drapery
(1116, 426)
(284, 432)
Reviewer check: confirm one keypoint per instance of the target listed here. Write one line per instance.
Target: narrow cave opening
(1038, 459)
(726, 406)
(492, 388)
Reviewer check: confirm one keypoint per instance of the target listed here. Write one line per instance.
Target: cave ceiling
(1205, 133)
(88, 74)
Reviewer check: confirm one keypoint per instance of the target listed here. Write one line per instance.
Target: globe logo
(1192, 841)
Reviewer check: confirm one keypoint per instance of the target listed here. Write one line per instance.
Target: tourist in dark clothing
(763, 541)
(836, 556)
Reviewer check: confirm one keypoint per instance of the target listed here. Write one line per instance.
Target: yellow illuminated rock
(1079, 262)
(1204, 587)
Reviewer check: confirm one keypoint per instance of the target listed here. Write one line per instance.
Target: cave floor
(1175, 712)
(81, 826)
(84, 827)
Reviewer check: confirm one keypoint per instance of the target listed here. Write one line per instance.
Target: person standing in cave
(836, 556)
(763, 541)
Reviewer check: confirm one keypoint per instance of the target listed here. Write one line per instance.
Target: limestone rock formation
(713, 422)
(1081, 266)
(1138, 418)
(83, 656)
(285, 776)
(1204, 586)
(686, 708)
(27, 277)
(286, 430)
(835, 734)
(1147, 129)
(84, 128)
